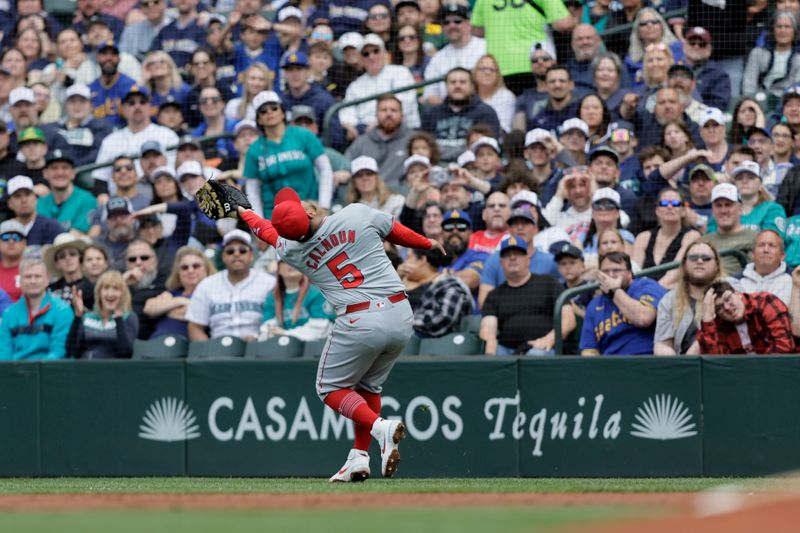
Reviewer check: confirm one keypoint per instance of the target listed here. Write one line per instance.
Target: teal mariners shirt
(289, 163)
(766, 215)
(74, 213)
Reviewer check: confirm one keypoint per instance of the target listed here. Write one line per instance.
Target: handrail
(326, 120)
(646, 273)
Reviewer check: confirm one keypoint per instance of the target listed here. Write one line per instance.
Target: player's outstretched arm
(262, 227)
(401, 235)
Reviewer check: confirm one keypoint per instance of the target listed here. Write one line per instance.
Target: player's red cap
(288, 216)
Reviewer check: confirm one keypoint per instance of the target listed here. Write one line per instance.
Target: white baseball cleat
(356, 468)
(388, 433)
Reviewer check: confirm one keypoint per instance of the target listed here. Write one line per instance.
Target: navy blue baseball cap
(456, 214)
(510, 243)
(604, 150)
(562, 249)
(298, 59)
(137, 90)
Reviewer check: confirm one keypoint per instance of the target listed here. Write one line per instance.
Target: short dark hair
(559, 66)
(481, 128)
(434, 257)
(620, 258)
(649, 152)
(459, 69)
(721, 287)
(743, 149)
(320, 48)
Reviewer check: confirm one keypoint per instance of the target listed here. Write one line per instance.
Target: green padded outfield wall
(465, 417)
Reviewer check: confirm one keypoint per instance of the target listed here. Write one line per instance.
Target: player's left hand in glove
(218, 200)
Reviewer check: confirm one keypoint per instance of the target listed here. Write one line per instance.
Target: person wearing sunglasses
(649, 28)
(377, 78)
(542, 56)
(606, 214)
(667, 242)
(680, 310)
(286, 154)
(230, 302)
(144, 279)
(212, 108)
(189, 268)
(13, 240)
(713, 83)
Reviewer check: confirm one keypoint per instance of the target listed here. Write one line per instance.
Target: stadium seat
(275, 348)
(221, 347)
(164, 347)
(470, 324)
(412, 348)
(314, 348)
(453, 344)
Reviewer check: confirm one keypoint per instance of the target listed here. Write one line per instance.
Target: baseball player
(343, 255)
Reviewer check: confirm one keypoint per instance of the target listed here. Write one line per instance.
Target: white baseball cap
(18, 183)
(290, 12)
(78, 89)
(351, 39)
(546, 46)
(747, 166)
(538, 135)
(524, 196)
(237, 235)
(485, 141)
(372, 39)
(607, 193)
(266, 97)
(725, 190)
(246, 123)
(466, 158)
(363, 162)
(416, 159)
(21, 94)
(712, 113)
(190, 168)
(575, 124)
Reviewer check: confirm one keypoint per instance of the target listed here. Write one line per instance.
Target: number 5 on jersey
(348, 275)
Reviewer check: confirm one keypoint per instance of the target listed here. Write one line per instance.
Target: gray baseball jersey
(345, 257)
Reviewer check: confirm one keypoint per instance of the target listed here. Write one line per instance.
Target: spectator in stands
(123, 175)
(181, 37)
(299, 90)
(783, 144)
(487, 162)
(463, 50)
(747, 114)
(98, 35)
(495, 215)
(379, 77)
(12, 249)
(594, 113)
(621, 320)
(138, 112)
(576, 188)
(63, 260)
(342, 74)
(713, 83)
(68, 204)
(677, 141)
(230, 302)
(775, 66)
(256, 78)
(573, 136)
(491, 90)
(424, 144)
(604, 166)
(649, 126)
(163, 79)
(790, 109)
(656, 64)
(143, 278)
(450, 121)
(523, 225)
(541, 149)
(111, 87)
(669, 241)
(432, 216)
(380, 22)
(189, 150)
(509, 33)
(203, 68)
(385, 142)
(302, 116)
(190, 267)
(518, 314)
(288, 37)
(109, 330)
(119, 231)
(170, 115)
(367, 187)
(409, 51)
(76, 66)
(22, 204)
(534, 98)
(214, 122)
(88, 11)
(136, 38)
(296, 308)
(151, 156)
(758, 211)
(701, 182)
(760, 141)
(311, 174)
(649, 28)
(545, 235)
(466, 263)
(561, 102)
(95, 262)
(586, 45)
(33, 147)
(729, 232)
(680, 310)
(767, 272)
(250, 49)
(606, 214)
(712, 131)
(740, 323)
(607, 75)
(82, 132)
(36, 326)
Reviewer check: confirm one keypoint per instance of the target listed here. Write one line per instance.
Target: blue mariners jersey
(610, 333)
(106, 101)
(180, 43)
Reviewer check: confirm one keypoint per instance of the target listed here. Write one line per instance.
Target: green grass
(298, 485)
(490, 520)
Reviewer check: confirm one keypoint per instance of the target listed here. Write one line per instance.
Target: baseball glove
(218, 200)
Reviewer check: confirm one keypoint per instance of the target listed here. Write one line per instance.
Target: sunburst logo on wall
(663, 417)
(169, 420)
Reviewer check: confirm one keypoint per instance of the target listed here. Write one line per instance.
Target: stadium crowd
(559, 144)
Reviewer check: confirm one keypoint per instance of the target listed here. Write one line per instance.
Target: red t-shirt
(9, 282)
(481, 242)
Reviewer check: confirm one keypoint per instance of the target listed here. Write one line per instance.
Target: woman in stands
(257, 78)
(492, 91)
(381, 22)
(746, 114)
(162, 78)
(14, 62)
(593, 111)
(295, 307)
(367, 187)
(649, 28)
(424, 144)
(669, 241)
(95, 262)
(607, 75)
(677, 141)
(776, 66)
(33, 46)
(657, 61)
(191, 266)
(109, 330)
(409, 51)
